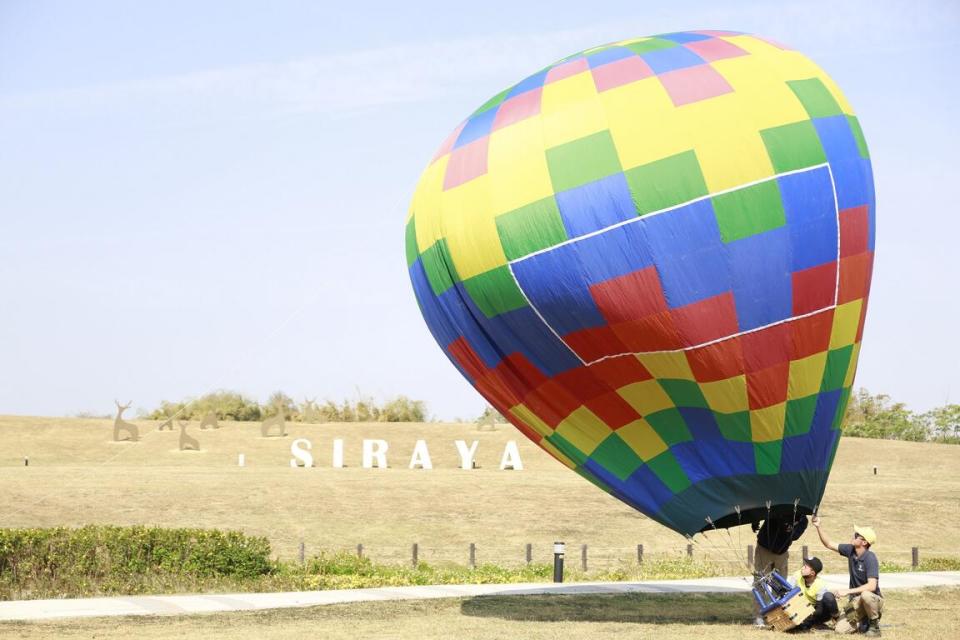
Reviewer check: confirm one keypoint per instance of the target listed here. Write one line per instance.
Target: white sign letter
(466, 455)
(303, 455)
(511, 457)
(338, 454)
(375, 450)
(421, 456)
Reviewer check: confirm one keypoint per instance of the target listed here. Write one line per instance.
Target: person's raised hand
(815, 521)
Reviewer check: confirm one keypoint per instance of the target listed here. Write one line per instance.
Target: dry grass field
(929, 614)
(77, 476)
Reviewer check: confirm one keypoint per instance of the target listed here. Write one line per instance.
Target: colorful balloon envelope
(653, 257)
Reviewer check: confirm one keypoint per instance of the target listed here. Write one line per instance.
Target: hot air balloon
(653, 257)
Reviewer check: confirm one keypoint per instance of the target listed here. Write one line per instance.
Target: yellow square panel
(644, 124)
(727, 396)
(806, 375)
(426, 204)
(642, 438)
(470, 229)
(646, 397)
(584, 430)
(577, 120)
(522, 413)
(846, 319)
(852, 367)
(764, 97)
(766, 425)
(562, 94)
(667, 364)
(517, 166)
(756, 46)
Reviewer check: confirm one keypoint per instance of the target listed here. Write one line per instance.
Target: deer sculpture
(209, 421)
(187, 441)
(309, 409)
(277, 420)
(119, 424)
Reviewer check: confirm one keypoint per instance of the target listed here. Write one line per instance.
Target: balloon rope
(739, 525)
(738, 559)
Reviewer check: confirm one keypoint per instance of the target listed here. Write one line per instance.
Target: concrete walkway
(187, 604)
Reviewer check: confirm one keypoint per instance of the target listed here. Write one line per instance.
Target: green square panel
(666, 183)
(841, 409)
(531, 228)
(684, 393)
(669, 471)
(749, 211)
(581, 161)
(734, 426)
(651, 44)
(566, 448)
(766, 456)
(858, 136)
(411, 242)
(836, 370)
(799, 415)
(815, 98)
(438, 264)
(495, 291)
(616, 456)
(670, 426)
(793, 146)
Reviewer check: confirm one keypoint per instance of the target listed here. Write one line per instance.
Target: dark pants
(825, 609)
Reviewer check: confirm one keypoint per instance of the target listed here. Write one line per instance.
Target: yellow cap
(867, 533)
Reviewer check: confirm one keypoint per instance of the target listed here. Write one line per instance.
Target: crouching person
(865, 600)
(824, 602)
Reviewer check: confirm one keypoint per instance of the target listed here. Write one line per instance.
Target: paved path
(186, 604)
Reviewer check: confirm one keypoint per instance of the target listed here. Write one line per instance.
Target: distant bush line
(878, 416)
(230, 405)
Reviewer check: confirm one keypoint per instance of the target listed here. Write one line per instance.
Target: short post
(529, 553)
(750, 555)
(558, 550)
(915, 557)
(689, 550)
(583, 557)
(639, 554)
(26, 461)
(806, 552)
(473, 555)
(302, 553)
(415, 552)
(874, 469)
(359, 550)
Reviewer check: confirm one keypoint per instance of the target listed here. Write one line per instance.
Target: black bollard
(558, 550)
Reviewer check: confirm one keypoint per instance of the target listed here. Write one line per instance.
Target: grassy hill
(77, 475)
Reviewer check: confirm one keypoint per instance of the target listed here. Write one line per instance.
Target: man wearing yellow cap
(864, 591)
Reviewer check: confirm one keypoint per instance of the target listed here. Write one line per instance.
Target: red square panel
(814, 288)
(655, 332)
(706, 320)
(582, 384)
(766, 347)
(551, 403)
(592, 344)
(520, 374)
(810, 335)
(768, 387)
(621, 72)
(693, 84)
(613, 410)
(630, 297)
(567, 69)
(854, 231)
(464, 355)
(717, 361)
(466, 163)
(855, 272)
(620, 371)
(715, 49)
(517, 108)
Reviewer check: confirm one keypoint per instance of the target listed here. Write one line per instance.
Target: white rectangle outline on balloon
(836, 289)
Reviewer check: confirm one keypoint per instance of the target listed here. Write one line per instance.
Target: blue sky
(201, 195)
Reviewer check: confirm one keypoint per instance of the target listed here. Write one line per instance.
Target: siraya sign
(373, 454)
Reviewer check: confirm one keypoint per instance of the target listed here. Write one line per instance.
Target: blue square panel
(596, 205)
(476, 127)
(663, 60)
(608, 55)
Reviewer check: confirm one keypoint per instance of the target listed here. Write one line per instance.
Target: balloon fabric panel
(654, 258)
